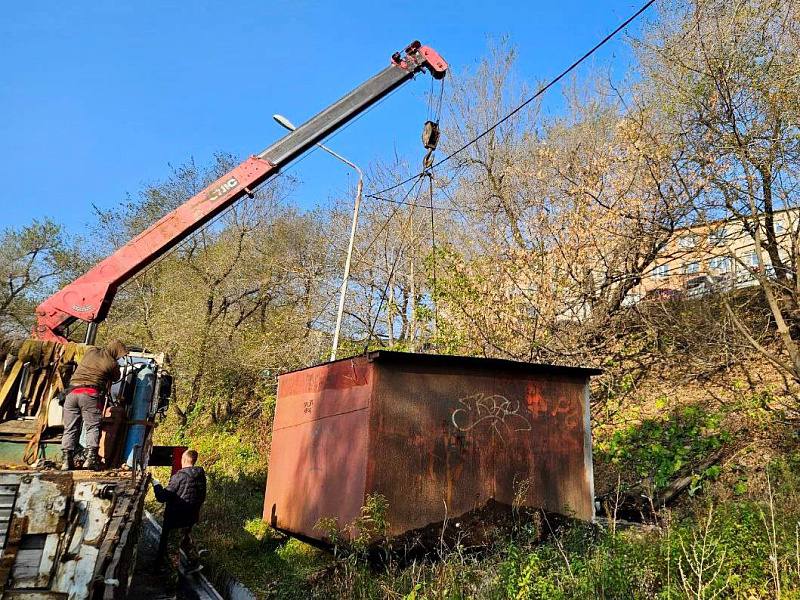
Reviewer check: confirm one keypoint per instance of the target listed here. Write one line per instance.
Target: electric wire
(385, 292)
(433, 116)
(433, 253)
(276, 177)
(541, 91)
(435, 207)
(424, 172)
(389, 218)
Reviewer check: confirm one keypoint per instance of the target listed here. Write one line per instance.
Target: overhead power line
(541, 91)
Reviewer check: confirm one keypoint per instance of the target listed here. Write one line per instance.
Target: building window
(721, 263)
(661, 271)
(687, 242)
(692, 267)
(718, 236)
(752, 260)
(780, 228)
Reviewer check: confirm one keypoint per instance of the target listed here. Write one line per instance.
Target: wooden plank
(18, 427)
(9, 384)
(26, 567)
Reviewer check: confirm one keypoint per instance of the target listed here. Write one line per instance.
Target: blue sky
(98, 98)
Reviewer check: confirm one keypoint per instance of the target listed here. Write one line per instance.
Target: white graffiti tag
(496, 410)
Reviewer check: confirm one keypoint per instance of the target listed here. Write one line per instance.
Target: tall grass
(735, 549)
(745, 546)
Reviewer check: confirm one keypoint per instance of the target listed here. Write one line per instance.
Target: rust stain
(437, 436)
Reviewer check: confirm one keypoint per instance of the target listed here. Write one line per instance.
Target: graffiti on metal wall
(496, 411)
(561, 407)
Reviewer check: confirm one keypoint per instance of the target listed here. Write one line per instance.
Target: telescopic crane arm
(89, 297)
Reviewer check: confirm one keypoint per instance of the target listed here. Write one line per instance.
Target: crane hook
(430, 139)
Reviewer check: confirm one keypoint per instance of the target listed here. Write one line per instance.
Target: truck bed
(68, 534)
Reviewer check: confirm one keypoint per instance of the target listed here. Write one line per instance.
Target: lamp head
(284, 122)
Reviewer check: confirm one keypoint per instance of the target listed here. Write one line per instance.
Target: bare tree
(560, 218)
(729, 72)
(234, 302)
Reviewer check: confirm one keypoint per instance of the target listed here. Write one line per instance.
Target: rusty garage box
(437, 436)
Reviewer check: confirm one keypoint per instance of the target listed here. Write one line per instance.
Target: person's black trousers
(186, 544)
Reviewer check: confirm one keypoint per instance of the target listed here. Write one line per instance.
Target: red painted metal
(177, 458)
(320, 445)
(435, 63)
(89, 297)
(437, 436)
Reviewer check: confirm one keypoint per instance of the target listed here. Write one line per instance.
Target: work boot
(67, 460)
(92, 462)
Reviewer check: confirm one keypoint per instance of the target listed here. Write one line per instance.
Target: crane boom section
(89, 297)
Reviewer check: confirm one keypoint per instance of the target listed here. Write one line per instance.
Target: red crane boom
(89, 297)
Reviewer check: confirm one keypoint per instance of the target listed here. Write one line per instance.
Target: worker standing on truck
(183, 496)
(84, 402)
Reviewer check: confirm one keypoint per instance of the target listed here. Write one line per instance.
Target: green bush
(659, 449)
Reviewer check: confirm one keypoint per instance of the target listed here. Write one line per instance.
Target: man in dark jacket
(183, 497)
(84, 402)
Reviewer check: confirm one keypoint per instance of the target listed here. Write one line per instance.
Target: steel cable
(541, 91)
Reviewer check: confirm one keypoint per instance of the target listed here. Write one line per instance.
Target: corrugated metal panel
(8, 495)
(445, 444)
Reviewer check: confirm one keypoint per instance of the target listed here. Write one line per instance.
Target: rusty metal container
(437, 436)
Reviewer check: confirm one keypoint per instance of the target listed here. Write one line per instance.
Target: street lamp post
(283, 121)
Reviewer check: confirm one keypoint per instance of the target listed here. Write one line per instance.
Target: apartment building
(715, 254)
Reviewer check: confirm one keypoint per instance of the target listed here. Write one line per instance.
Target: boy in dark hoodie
(183, 496)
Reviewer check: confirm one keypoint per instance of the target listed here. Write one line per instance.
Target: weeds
(354, 540)
(748, 547)
(658, 449)
(702, 562)
(736, 549)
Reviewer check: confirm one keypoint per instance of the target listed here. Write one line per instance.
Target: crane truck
(73, 534)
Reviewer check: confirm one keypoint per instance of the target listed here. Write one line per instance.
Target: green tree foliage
(233, 304)
(34, 260)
